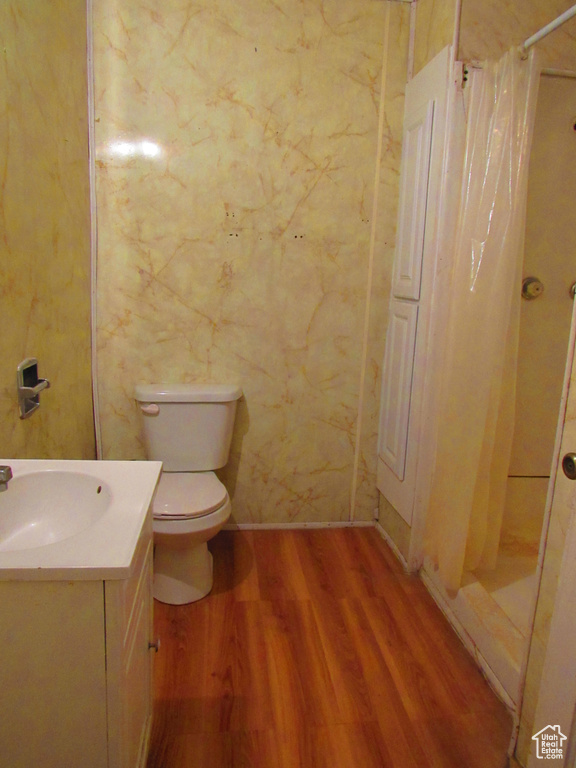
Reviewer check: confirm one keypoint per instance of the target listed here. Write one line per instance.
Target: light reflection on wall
(143, 148)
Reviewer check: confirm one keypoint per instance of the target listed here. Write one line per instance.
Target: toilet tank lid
(187, 393)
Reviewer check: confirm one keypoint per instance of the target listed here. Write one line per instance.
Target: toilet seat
(187, 495)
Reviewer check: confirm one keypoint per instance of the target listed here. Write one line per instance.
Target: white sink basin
(44, 507)
(77, 520)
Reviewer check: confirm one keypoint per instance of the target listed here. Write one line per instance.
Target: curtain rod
(550, 27)
(477, 64)
(558, 73)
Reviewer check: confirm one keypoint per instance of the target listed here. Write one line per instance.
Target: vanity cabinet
(76, 669)
(128, 621)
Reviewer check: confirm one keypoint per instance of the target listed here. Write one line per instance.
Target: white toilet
(188, 428)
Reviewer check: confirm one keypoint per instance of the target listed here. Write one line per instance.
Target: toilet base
(182, 575)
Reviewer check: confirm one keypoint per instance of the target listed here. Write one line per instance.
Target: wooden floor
(315, 649)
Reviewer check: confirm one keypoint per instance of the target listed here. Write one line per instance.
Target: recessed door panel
(397, 385)
(414, 175)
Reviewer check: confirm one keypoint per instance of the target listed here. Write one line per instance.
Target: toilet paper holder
(29, 386)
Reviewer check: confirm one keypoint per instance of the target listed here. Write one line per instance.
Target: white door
(415, 263)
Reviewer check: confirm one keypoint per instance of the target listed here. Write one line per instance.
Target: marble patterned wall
(491, 27)
(435, 23)
(236, 147)
(45, 242)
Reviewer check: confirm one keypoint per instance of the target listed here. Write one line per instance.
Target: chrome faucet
(5, 476)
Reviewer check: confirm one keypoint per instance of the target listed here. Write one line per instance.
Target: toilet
(188, 428)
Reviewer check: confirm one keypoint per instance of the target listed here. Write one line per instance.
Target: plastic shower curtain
(476, 390)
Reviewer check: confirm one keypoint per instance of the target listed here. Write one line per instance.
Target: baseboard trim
(467, 641)
(392, 546)
(297, 526)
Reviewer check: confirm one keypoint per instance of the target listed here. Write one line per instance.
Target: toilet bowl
(188, 510)
(188, 428)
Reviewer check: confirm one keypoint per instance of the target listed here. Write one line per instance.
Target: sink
(41, 508)
(66, 519)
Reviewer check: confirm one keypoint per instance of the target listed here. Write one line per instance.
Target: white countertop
(104, 550)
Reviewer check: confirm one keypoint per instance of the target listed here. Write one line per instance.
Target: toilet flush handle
(150, 410)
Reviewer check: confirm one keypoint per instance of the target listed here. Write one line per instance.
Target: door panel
(397, 385)
(414, 173)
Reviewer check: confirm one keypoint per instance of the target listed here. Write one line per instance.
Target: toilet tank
(188, 426)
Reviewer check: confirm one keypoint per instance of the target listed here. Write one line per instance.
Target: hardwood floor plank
(315, 650)
(395, 723)
(198, 663)
(359, 744)
(343, 659)
(234, 572)
(253, 686)
(304, 692)
(280, 576)
(470, 688)
(343, 746)
(361, 559)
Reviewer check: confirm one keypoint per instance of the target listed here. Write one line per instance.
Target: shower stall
(492, 602)
(495, 606)
(550, 244)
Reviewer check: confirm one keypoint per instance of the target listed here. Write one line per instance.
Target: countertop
(104, 550)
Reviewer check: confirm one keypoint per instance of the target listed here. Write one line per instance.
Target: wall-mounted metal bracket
(29, 386)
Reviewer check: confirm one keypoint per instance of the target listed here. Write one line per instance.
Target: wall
(234, 245)
(491, 27)
(435, 24)
(45, 242)
(544, 323)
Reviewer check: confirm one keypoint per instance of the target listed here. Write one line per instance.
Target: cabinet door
(128, 659)
(414, 172)
(137, 683)
(52, 675)
(397, 385)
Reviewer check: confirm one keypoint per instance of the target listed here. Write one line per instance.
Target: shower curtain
(475, 414)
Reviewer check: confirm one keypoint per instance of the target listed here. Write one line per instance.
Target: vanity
(76, 608)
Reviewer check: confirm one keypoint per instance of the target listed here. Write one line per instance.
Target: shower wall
(236, 148)
(45, 242)
(551, 242)
(545, 321)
